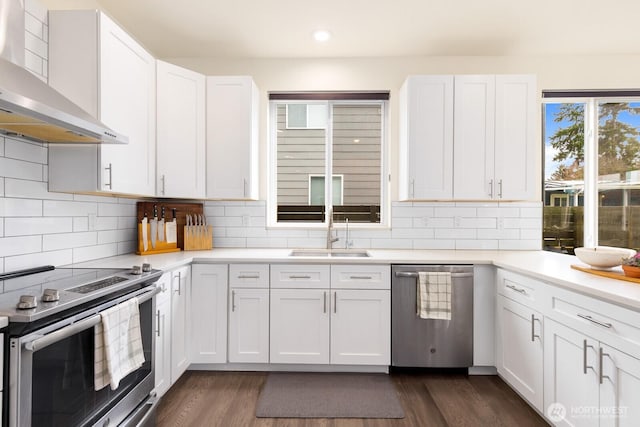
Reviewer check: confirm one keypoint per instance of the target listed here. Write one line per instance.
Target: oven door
(52, 372)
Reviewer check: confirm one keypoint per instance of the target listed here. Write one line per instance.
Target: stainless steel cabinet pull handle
(248, 277)
(335, 302)
(360, 277)
(413, 188)
(324, 299)
(244, 187)
(299, 277)
(533, 328)
(158, 323)
(597, 322)
(584, 357)
(601, 376)
(233, 300)
(163, 180)
(500, 189)
(109, 184)
(520, 290)
(179, 283)
(491, 188)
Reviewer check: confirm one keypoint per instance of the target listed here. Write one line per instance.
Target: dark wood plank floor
(429, 400)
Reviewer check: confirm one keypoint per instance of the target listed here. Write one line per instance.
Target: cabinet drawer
(300, 276)
(249, 275)
(522, 289)
(610, 323)
(361, 277)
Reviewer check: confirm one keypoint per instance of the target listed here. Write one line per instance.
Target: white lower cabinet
(180, 321)
(249, 325)
(299, 326)
(520, 349)
(209, 313)
(595, 384)
(163, 335)
(361, 327)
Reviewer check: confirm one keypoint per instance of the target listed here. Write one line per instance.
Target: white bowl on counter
(603, 257)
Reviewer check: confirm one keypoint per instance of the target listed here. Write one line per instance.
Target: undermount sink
(329, 253)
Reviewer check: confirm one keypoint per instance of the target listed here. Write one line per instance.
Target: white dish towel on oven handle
(118, 344)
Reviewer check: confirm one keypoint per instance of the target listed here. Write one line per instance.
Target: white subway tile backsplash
(434, 244)
(109, 236)
(1, 187)
(236, 232)
(478, 223)
(110, 222)
(127, 222)
(531, 212)
(412, 233)
(296, 242)
(27, 151)
(127, 247)
(244, 210)
(392, 243)
(455, 233)
(10, 207)
(223, 221)
(1, 227)
(36, 45)
(477, 244)
(1, 146)
(61, 257)
(260, 242)
(37, 9)
(33, 63)
(399, 222)
(53, 242)
(33, 25)
(12, 168)
(80, 223)
(117, 209)
(454, 211)
(20, 245)
(531, 233)
(69, 208)
(94, 252)
(520, 245)
(519, 223)
(37, 226)
(229, 242)
(213, 210)
(504, 233)
(32, 189)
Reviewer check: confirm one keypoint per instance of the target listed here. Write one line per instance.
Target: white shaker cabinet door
(128, 105)
(520, 349)
(163, 336)
(232, 138)
(474, 130)
(620, 388)
(180, 321)
(209, 313)
(426, 138)
(570, 373)
(361, 327)
(515, 148)
(249, 325)
(299, 326)
(181, 132)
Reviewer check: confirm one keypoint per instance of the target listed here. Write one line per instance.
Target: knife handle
(162, 212)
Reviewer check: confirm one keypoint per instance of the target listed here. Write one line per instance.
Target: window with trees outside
(317, 135)
(591, 170)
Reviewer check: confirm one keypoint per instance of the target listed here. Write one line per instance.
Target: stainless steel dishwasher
(431, 343)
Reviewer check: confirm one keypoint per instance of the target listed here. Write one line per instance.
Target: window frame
(591, 101)
(272, 163)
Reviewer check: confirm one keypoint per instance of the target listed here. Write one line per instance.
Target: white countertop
(546, 266)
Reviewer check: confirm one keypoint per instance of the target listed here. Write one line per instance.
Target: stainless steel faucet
(330, 237)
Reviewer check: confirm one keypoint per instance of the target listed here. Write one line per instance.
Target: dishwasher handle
(415, 274)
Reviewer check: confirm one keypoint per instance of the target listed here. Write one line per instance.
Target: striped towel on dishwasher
(433, 299)
(118, 344)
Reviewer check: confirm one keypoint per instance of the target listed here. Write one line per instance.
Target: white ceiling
(374, 28)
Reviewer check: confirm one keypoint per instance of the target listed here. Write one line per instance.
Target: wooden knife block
(182, 210)
(198, 237)
(161, 247)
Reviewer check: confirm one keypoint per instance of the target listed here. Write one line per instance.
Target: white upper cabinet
(494, 147)
(181, 132)
(97, 65)
(426, 138)
(515, 147)
(232, 137)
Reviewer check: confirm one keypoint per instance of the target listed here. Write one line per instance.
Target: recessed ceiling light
(321, 35)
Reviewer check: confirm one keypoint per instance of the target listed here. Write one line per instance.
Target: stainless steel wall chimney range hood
(29, 107)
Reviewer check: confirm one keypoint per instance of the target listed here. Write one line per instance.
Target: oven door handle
(74, 328)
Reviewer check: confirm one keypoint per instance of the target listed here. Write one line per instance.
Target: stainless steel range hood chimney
(30, 108)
